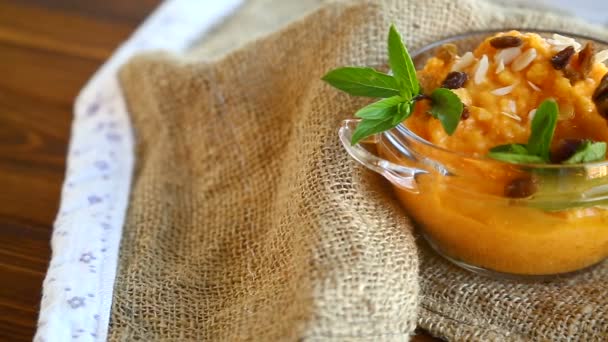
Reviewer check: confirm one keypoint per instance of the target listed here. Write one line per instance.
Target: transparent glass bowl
(458, 201)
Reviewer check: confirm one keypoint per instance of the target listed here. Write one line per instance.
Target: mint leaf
(359, 81)
(447, 107)
(366, 128)
(402, 65)
(588, 152)
(516, 158)
(380, 109)
(537, 150)
(399, 92)
(514, 153)
(510, 148)
(404, 110)
(543, 127)
(381, 116)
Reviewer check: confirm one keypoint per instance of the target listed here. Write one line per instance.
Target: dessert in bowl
(499, 155)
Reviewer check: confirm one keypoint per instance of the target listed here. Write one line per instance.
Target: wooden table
(48, 50)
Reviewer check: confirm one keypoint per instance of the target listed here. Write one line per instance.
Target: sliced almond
(560, 42)
(482, 70)
(534, 86)
(511, 115)
(601, 56)
(531, 114)
(559, 47)
(464, 96)
(501, 66)
(562, 38)
(507, 55)
(521, 62)
(464, 62)
(503, 91)
(512, 106)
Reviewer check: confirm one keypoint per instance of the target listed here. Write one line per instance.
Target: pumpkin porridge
(497, 153)
(501, 87)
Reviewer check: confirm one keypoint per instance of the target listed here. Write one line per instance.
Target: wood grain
(48, 50)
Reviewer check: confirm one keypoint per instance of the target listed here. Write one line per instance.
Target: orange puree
(512, 239)
(473, 221)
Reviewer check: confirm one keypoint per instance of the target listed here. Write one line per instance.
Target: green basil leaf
(588, 152)
(363, 82)
(447, 107)
(511, 148)
(402, 65)
(543, 127)
(516, 158)
(365, 128)
(380, 109)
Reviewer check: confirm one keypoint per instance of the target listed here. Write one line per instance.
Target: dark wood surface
(48, 50)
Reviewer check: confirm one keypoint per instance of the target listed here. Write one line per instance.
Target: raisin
(585, 59)
(465, 113)
(506, 42)
(565, 149)
(455, 80)
(600, 97)
(602, 88)
(571, 74)
(447, 53)
(562, 58)
(521, 187)
(584, 64)
(602, 107)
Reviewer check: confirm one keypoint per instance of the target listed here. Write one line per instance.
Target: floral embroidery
(114, 137)
(94, 199)
(102, 165)
(76, 302)
(87, 257)
(93, 108)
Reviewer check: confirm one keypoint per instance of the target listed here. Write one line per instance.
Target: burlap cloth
(248, 221)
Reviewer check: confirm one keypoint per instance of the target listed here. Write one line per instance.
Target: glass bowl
(458, 203)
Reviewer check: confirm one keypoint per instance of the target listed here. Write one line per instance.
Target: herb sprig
(588, 152)
(538, 148)
(399, 91)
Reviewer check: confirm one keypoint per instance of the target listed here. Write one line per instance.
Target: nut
(571, 74)
(562, 58)
(455, 80)
(602, 88)
(504, 42)
(602, 107)
(584, 64)
(600, 97)
(585, 59)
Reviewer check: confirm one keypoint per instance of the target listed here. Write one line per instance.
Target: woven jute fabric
(248, 221)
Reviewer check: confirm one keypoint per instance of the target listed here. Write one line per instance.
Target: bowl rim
(410, 134)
